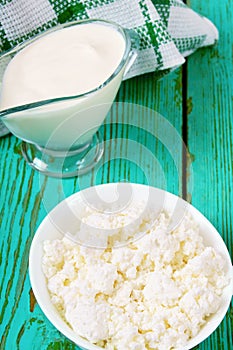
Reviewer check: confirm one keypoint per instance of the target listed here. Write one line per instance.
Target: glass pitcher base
(64, 164)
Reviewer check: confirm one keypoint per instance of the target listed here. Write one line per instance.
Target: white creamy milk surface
(70, 61)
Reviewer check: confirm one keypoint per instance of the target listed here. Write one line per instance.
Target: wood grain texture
(210, 137)
(134, 151)
(140, 146)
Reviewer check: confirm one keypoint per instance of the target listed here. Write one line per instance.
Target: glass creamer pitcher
(60, 135)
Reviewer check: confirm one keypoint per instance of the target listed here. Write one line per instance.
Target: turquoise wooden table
(143, 143)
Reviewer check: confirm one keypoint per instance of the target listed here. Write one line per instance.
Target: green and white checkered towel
(168, 30)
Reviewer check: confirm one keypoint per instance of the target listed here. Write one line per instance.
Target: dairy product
(154, 293)
(68, 62)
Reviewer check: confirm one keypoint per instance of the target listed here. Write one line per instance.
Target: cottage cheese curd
(154, 293)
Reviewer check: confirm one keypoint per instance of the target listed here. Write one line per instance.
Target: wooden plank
(210, 137)
(140, 100)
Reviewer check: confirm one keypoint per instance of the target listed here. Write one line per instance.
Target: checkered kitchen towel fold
(168, 29)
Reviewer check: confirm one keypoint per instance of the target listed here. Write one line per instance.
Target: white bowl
(61, 219)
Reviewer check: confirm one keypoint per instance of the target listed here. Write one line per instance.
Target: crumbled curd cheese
(153, 293)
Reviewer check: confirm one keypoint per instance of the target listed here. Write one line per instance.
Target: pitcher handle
(135, 43)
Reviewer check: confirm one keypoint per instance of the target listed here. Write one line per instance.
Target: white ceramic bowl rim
(47, 230)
